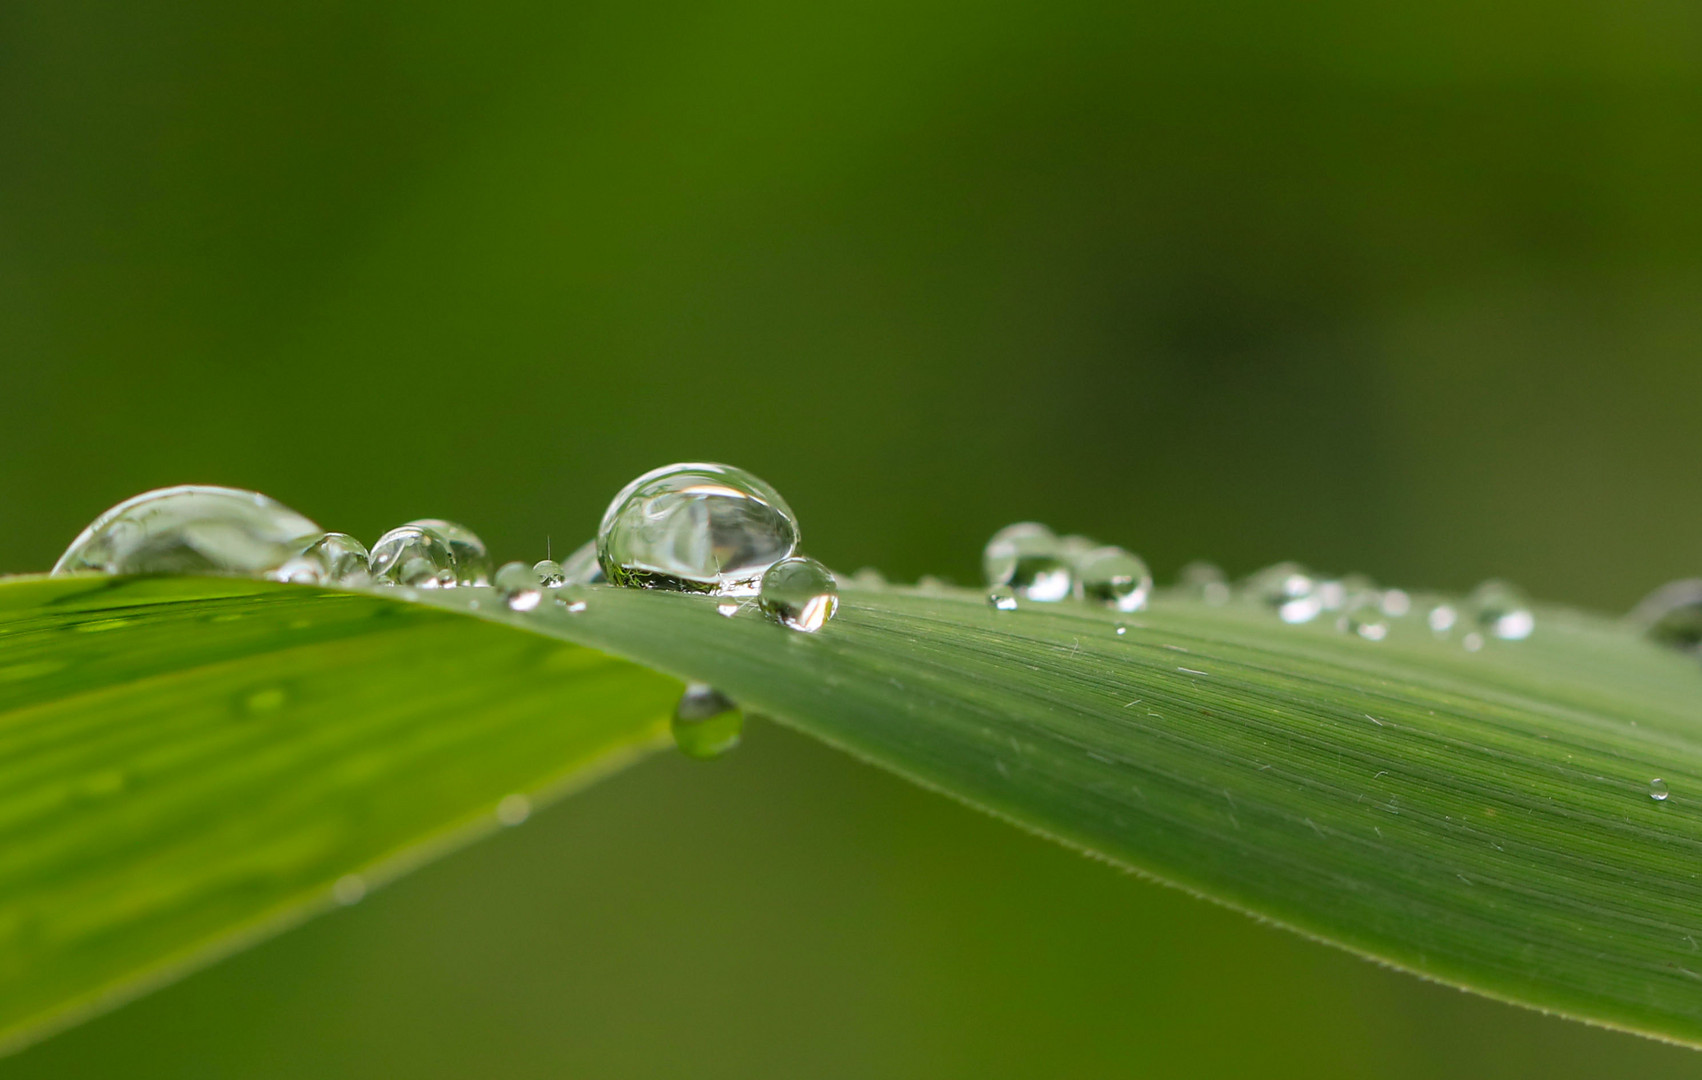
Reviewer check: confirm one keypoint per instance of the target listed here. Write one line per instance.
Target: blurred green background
(1413, 291)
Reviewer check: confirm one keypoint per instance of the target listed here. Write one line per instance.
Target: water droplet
(1472, 641)
(1501, 610)
(573, 605)
(1672, 614)
(695, 527)
(1364, 616)
(191, 529)
(706, 723)
(467, 554)
(582, 567)
(800, 593)
(333, 559)
(409, 555)
(549, 573)
(1287, 587)
(1658, 789)
(727, 609)
(1031, 560)
(349, 889)
(1002, 597)
(1205, 581)
(869, 577)
(1121, 630)
(513, 809)
(1114, 577)
(1396, 603)
(519, 586)
(1441, 619)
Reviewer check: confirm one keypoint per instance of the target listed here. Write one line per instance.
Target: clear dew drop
(1364, 617)
(1204, 581)
(1289, 589)
(1658, 789)
(1031, 560)
(1441, 619)
(1002, 597)
(468, 558)
(410, 556)
(1113, 577)
(1672, 615)
(333, 559)
(706, 722)
(869, 577)
(1396, 603)
(1472, 642)
(695, 527)
(549, 573)
(192, 529)
(1501, 610)
(799, 593)
(519, 586)
(1121, 629)
(582, 567)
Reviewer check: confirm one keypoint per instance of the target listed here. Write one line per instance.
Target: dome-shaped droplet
(1396, 603)
(1288, 588)
(800, 593)
(1658, 790)
(409, 555)
(191, 529)
(333, 559)
(1501, 610)
(582, 567)
(1031, 560)
(1364, 616)
(467, 554)
(706, 723)
(519, 586)
(1204, 581)
(1113, 577)
(1441, 617)
(1002, 597)
(1672, 614)
(695, 527)
(549, 573)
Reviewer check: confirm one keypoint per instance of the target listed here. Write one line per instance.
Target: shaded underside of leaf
(189, 764)
(1480, 818)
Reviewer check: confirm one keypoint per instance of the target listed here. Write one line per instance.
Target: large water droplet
(1031, 560)
(1672, 614)
(409, 555)
(191, 529)
(467, 554)
(695, 527)
(1502, 611)
(800, 593)
(333, 559)
(1114, 577)
(706, 722)
(1658, 790)
(519, 586)
(549, 573)
(582, 567)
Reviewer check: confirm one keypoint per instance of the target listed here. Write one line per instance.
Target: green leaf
(1480, 818)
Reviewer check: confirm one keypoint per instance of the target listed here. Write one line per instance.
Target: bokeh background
(1412, 290)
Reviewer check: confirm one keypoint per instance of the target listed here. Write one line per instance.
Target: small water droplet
(1121, 630)
(1288, 588)
(191, 529)
(519, 586)
(869, 577)
(1500, 609)
(549, 573)
(706, 722)
(409, 555)
(582, 567)
(349, 889)
(727, 609)
(513, 809)
(1396, 603)
(1113, 577)
(1002, 597)
(800, 593)
(333, 559)
(931, 583)
(1031, 560)
(695, 527)
(1364, 616)
(573, 605)
(1658, 789)
(467, 555)
(1672, 614)
(1204, 581)
(1472, 641)
(1441, 619)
